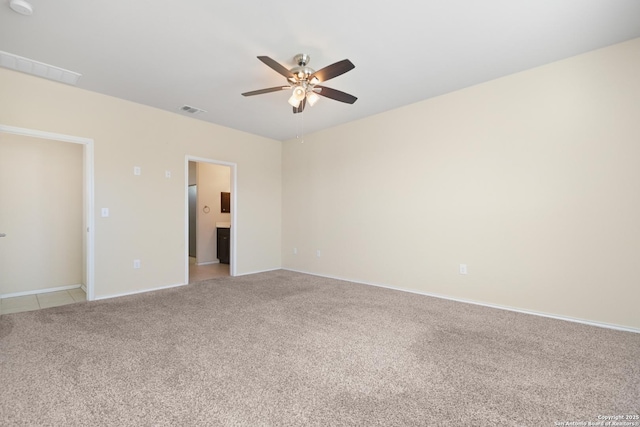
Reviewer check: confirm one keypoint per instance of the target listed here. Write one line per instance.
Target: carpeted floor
(288, 349)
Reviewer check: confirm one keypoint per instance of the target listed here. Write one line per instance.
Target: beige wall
(532, 180)
(41, 211)
(147, 212)
(212, 179)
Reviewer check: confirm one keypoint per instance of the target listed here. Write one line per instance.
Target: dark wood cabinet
(224, 245)
(225, 202)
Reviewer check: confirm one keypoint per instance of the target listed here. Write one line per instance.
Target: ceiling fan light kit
(303, 81)
(312, 98)
(298, 94)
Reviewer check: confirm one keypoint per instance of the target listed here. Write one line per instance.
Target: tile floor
(198, 273)
(38, 301)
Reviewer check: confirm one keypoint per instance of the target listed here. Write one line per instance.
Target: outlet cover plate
(463, 269)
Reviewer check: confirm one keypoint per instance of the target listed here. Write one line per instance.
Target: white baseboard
(84, 288)
(208, 263)
(142, 291)
(42, 291)
(500, 307)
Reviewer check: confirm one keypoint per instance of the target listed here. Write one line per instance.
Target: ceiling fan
(304, 81)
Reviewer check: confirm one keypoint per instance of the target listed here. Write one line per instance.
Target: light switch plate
(137, 170)
(105, 212)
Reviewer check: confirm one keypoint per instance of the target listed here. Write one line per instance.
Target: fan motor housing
(302, 72)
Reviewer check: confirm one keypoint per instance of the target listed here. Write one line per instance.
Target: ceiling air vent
(191, 110)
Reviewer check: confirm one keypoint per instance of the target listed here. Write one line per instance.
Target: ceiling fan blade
(275, 66)
(261, 91)
(327, 92)
(333, 70)
(300, 107)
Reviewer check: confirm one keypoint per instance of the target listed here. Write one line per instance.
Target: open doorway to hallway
(209, 220)
(46, 180)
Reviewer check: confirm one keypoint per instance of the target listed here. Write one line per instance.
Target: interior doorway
(37, 151)
(210, 219)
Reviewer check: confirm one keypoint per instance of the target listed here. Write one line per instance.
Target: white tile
(54, 299)
(19, 304)
(78, 295)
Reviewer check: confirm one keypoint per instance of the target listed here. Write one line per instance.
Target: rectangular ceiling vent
(191, 110)
(40, 69)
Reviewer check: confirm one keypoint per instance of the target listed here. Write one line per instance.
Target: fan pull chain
(300, 134)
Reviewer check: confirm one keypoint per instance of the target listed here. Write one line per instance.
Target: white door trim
(88, 190)
(234, 212)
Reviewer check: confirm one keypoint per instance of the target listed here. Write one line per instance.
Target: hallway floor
(38, 301)
(198, 273)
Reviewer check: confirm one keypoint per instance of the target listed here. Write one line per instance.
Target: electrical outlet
(318, 253)
(136, 263)
(295, 251)
(167, 174)
(463, 269)
(137, 170)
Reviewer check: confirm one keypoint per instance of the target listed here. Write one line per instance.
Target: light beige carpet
(287, 349)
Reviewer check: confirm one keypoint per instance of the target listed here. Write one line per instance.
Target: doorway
(54, 281)
(208, 221)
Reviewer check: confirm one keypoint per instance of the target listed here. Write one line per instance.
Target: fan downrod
(302, 59)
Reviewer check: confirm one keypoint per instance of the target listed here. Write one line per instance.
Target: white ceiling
(167, 53)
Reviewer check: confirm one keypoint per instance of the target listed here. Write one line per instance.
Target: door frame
(233, 262)
(88, 191)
